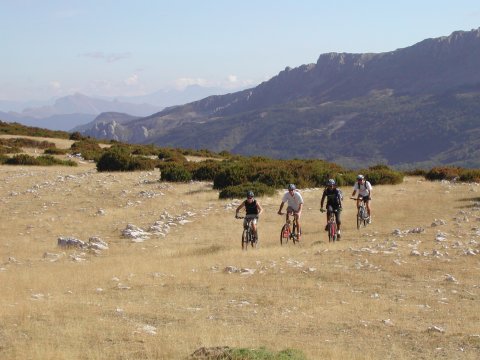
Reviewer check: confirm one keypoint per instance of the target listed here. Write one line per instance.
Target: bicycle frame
(289, 231)
(332, 225)
(248, 235)
(362, 213)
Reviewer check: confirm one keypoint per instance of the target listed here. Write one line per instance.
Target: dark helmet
(250, 194)
(331, 182)
(360, 177)
(291, 187)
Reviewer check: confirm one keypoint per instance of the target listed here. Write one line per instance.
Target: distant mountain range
(415, 106)
(71, 111)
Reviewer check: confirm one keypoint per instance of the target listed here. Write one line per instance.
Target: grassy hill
(377, 293)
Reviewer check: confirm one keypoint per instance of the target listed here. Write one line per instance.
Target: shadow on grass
(472, 202)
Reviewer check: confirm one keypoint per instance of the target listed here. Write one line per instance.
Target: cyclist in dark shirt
(252, 210)
(334, 199)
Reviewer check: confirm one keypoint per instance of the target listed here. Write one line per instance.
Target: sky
(110, 48)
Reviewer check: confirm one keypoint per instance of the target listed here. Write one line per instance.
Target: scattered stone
(450, 278)
(135, 233)
(52, 257)
(435, 328)
(70, 242)
(388, 322)
(438, 222)
(148, 329)
(205, 353)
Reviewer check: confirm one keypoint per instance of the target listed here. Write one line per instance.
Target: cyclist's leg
(299, 227)
(369, 211)
(338, 219)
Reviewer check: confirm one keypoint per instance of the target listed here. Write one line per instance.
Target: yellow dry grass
(365, 297)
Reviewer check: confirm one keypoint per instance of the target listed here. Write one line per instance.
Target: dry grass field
(376, 294)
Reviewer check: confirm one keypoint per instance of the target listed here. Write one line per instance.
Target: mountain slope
(416, 105)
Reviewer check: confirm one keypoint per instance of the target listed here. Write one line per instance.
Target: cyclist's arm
(240, 208)
(260, 209)
(281, 207)
(322, 201)
(300, 207)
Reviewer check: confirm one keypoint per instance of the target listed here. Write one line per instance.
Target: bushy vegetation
(443, 173)
(119, 158)
(19, 129)
(44, 160)
(24, 142)
(55, 151)
(453, 173)
(382, 174)
(88, 148)
(264, 354)
(240, 191)
(175, 172)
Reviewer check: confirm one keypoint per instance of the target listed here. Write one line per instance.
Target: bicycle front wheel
(332, 232)
(284, 234)
(245, 239)
(295, 233)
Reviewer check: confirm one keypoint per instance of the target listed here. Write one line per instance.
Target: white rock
(435, 328)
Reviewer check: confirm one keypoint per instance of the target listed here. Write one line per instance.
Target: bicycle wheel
(294, 234)
(332, 232)
(284, 234)
(359, 219)
(245, 239)
(252, 239)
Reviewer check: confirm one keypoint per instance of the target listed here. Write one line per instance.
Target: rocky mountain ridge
(389, 99)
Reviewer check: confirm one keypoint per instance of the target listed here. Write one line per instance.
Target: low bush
(240, 191)
(443, 173)
(171, 155)
(55, 151)
(44, 160)
(205, 170)
(470, 175)
(114, 159)
(139, 163)
(174, 172)
(88, 148)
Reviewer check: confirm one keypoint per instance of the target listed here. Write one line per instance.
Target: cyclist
(252, 210)
(295, 203)
(334, 199)
(364, 189)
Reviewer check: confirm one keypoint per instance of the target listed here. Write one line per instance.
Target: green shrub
(205, 170)
(114, 159)
(171, 155)
(240, 191)
(138, 163)
(416, 172)
(175, 172)
(88, 148)
(443, 173)
(470, 175)
(264, 354)
(232, 174)
(76, 136)
(55, 151)
(44, 160)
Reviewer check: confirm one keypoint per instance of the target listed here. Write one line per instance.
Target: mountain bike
(289, 231)
(331, 224)
(248, 235)
(362, 213)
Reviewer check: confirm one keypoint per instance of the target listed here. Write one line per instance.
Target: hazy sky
(119, 48)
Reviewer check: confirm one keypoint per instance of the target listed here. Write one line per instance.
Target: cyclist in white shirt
(294, 205)
(364, 189)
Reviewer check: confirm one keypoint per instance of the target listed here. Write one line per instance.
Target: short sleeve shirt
(294, 200)
(364, 189)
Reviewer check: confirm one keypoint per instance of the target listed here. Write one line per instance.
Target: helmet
(360, 177)
(331, 182)
(250, 194)
(291, 187)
